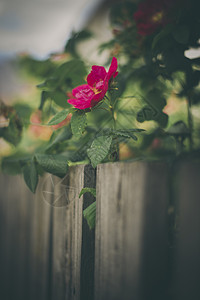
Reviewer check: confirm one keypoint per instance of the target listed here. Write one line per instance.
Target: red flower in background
(88, 95)
(151, 15)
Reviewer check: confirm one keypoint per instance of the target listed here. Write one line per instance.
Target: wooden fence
(146, 244)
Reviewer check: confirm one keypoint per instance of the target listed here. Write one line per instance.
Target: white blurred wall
(41, 26)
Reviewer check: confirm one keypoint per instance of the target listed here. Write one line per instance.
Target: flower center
(157, 17)
(95, 90)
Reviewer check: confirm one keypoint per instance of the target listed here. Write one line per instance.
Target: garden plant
(143, 104)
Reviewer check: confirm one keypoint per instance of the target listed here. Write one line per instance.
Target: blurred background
(37, 28)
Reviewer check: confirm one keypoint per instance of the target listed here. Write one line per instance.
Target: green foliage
(31, 175)
(122, 12)
(127, 133)
(74, 40)
(181, 34)
(24, 112)
(99, 149)
(38, 68)
(11, 165)
(148, 113)
(90, 215)
(59, 117)
(59, 136)
(64, 78)
(13, 132)
(78, 123)
(87, 190)
(54, 164)
(153, 111)
(179, 129)
(59, 98)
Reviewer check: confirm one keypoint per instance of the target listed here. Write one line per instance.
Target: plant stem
(116, 152)
(190, 123)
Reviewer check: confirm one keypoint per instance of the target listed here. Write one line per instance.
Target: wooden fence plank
(187, 273)
(131, 231)
(75, 211)
(40, 241)
(15, 211)
(73, 242)
(60, 224)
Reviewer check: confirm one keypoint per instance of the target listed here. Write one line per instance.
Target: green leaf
(153, 110)
(179, 129)
(44, 97)
(59, 98)
(99, 149)
(68, 75)
(24, 112)
(78, 123)
(72, 71)
(162, 119)
(54, 164)
(31, 175)
(127, 133)
(59, 117)
(148, 113)
(181, 34)
(88, 190)
(90, 215)
(155, 98)
(163, 33)
(60, 135)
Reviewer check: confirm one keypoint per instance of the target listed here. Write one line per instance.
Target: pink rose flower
(152, 15)
(88, 95)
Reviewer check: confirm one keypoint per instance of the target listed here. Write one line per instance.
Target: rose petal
(82, 92)
(97, 74)
(83, 95)
(80, 104)
(112, 70)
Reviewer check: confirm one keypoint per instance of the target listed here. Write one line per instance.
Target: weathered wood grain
(61, 238)
(72, 241)
(15, 231)
(187, 258)
(40, 237)
(47, 249)
(131, 231)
